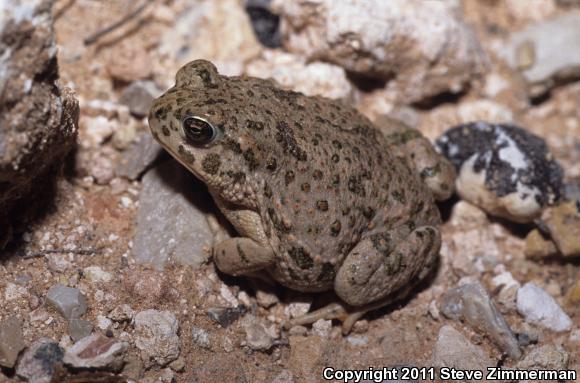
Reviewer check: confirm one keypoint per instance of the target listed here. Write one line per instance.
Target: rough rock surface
(95, 351)
(472, 304)
(169, 225)
(547, 52)
(39, 361)
(503, 169)
(563, 224)
(539, 308)
(423, 48)
(452, 349)
(294, 73)
(38, 118)
(11, 341)
(156, 336)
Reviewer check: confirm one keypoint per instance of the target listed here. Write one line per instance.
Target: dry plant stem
(97, 35)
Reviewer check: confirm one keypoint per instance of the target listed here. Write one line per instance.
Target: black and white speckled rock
(503, 169)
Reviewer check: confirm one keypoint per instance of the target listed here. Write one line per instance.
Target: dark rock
(39, 361)
(265, 23)
(225, 316)
(139, 157)
(503, 169)
(38, 123)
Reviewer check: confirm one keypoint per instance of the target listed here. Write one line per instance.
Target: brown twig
(100, 33)
(42, 253)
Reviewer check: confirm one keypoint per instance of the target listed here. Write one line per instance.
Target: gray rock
(200, 337)
(122, 313)
(547, 357)
(225, 316)
(138, 97)
(171, 221)
(138, 157)
(68, 301)
(38, 123)
(156, 336)
(38, 362)
(11, 341)
(539, 308)
(472, 304)
(96, 351)
(257, 337)
(79, 328)
(284, 377)
(452, 349)
(546, 52)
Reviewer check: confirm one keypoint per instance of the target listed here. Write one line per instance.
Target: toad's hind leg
(379, 270)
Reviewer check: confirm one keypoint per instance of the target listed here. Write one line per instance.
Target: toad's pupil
(198, 131)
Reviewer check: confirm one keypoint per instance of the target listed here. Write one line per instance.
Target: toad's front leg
(242, 256)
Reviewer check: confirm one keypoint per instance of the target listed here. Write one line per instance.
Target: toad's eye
(198, 131)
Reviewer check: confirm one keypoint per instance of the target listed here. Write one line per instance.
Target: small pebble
(11, 341)
(95, 274)
(257, 337)
(156, 336)
(138, 97)
(538, 307)
(472, 304)
(79, 328)
(69, 302)
(225, 316)
(200, 337)
(39, 360)
(122, 313)
(95, 351)
(322, 328)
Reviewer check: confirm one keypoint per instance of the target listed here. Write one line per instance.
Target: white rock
(322, 328)
(293, 72)
(539, 308)
(422, 47)
(95, 274)
(95, 351)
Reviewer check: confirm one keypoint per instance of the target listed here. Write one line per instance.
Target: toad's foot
(329, 312)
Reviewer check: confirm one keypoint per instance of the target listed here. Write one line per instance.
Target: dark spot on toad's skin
(185, 155)
(165, 131)
(250, 93)
(271, 164)
(382, 243)
(337, 144)
(161, 113)
(322, 205)
(251, 159)
(335, 158)
(301, 258)
(305, 187)
(232, 145)
(317, 175)
(354, 185)
(277, 222)
(394, 263)
(211, 163)
(241, 253)
(345, 210)
(335, 181)
(335, 228)
(399, 196)
(285, 136)
(368, 212)
(351, 221)
(254, 125)
(289, 177)
(267, 190)
(237, 177)
(327, 274)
